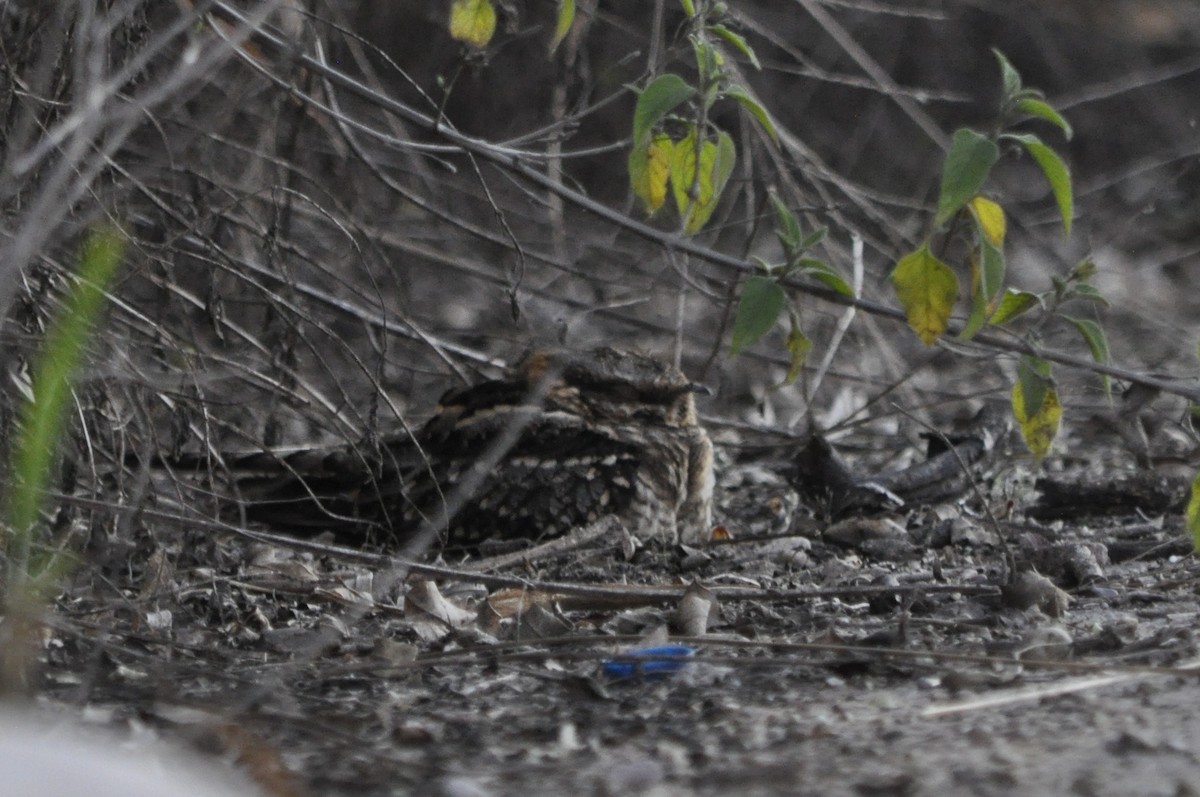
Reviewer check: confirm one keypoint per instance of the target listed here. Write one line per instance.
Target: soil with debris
(962, 647)
(293, 281)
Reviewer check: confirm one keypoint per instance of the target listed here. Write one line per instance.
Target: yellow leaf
(1039, 427)
(566, 16)
(1193, 513)
(649, 167)
(798, 346)
(716, 164)
(927, 289)
(473, 21)
(683, 170)
(990, 218)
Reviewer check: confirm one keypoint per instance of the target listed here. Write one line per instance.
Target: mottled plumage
(564, 439)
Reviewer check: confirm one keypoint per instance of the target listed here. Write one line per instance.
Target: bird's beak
(699, 389)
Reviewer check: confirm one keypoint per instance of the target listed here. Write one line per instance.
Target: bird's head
(613, 385)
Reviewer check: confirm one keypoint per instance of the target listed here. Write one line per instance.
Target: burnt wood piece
(1084, 494)
(820, 472)
(1124, 550)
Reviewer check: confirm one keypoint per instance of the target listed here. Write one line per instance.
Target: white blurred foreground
(53, 757)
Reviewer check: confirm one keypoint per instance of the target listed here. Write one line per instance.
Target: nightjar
(565, 438)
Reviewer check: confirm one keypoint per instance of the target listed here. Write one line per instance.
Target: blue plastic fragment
(651, 663)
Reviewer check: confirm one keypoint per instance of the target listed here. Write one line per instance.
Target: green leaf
(738, 42)
(988, 281)
(708, 63)
(976, 319)
(1033, 377)
(1193, 513)
(1056, 171)
(43, 418)
(722, 170)
(566, 16)
(756, 110)
(1043, 110)
(1035, 405)
(787, 227)
(649, 168)
(1084, 290)
(926, 288)
(473, 22)
(827, 274)
(1093, 335)
(967, 166)
(1009, 77)
(688, 7)
(1015, 303)
(991, 272)
(815, 237)
(761, 303)
(716, 165)
(664, 94)
(798, 346)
